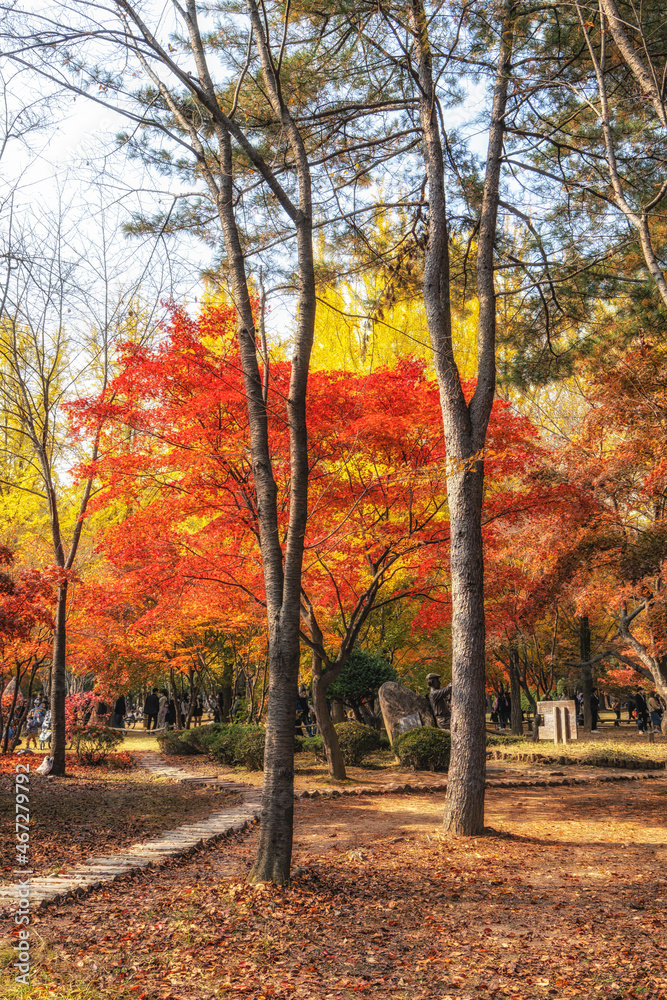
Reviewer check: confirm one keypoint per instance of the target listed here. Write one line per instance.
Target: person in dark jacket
(595, 708)
(151, 709)
(119, 712)
(170, 717)
(642, 712)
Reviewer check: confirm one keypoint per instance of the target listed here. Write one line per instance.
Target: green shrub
(93, 744)
(237, 744)
(170, 743)
(356, 741)
(201, 738)
(250, 749)
(424, 749)
(314, 745)
(223, 746)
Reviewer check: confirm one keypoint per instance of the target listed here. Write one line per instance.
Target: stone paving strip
(98, 871)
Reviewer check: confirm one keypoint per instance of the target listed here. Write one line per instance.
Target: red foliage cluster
(176, 460)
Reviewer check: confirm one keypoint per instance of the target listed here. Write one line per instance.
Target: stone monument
(403, 709)
(557, 721)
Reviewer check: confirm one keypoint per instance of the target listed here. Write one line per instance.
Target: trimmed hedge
(233, 744)
(424, 749)
(356, 742)
(184, 742)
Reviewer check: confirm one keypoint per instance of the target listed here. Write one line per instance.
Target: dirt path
(565, 897)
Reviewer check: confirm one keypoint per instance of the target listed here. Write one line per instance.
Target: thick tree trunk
(465, 424)
(337, 711)
(335, 762)
(515, 692)
(59, 684)
(227, 701)
(464, 812)
(274, 852)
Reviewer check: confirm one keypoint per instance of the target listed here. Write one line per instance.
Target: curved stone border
(96, 872)
(441, 786)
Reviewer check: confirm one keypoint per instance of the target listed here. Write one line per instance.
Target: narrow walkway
(96, 872)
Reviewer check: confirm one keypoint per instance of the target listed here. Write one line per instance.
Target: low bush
(356, 741)
(172, 745)
(201, 738)
(93, 744)
(314, 745)
(424, 749)
(238, 745)
(250, 749)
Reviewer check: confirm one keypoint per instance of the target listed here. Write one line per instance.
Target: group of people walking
(646, 710)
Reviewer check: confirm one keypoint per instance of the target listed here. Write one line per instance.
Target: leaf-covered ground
(565, 897)
(93, 811)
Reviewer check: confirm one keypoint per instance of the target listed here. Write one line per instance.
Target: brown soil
(564, 897)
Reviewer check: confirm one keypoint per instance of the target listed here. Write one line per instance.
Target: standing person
(655, 712)
(642, 712)
(503, 708)
(303, 711)
(616, 709)
(119, 712)
(170, 717)
(162, 711)
(198, 710)
(151, 709)
(32, 727)
(595, 707)
(497, 712)
(630, 704)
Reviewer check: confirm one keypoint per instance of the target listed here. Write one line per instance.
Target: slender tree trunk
(12, 708)
(26, 704)
(59, 683)
(335, 762)
(321, 683)
(465, 424)
(586, 671)
(227, 701)
(515, 691)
